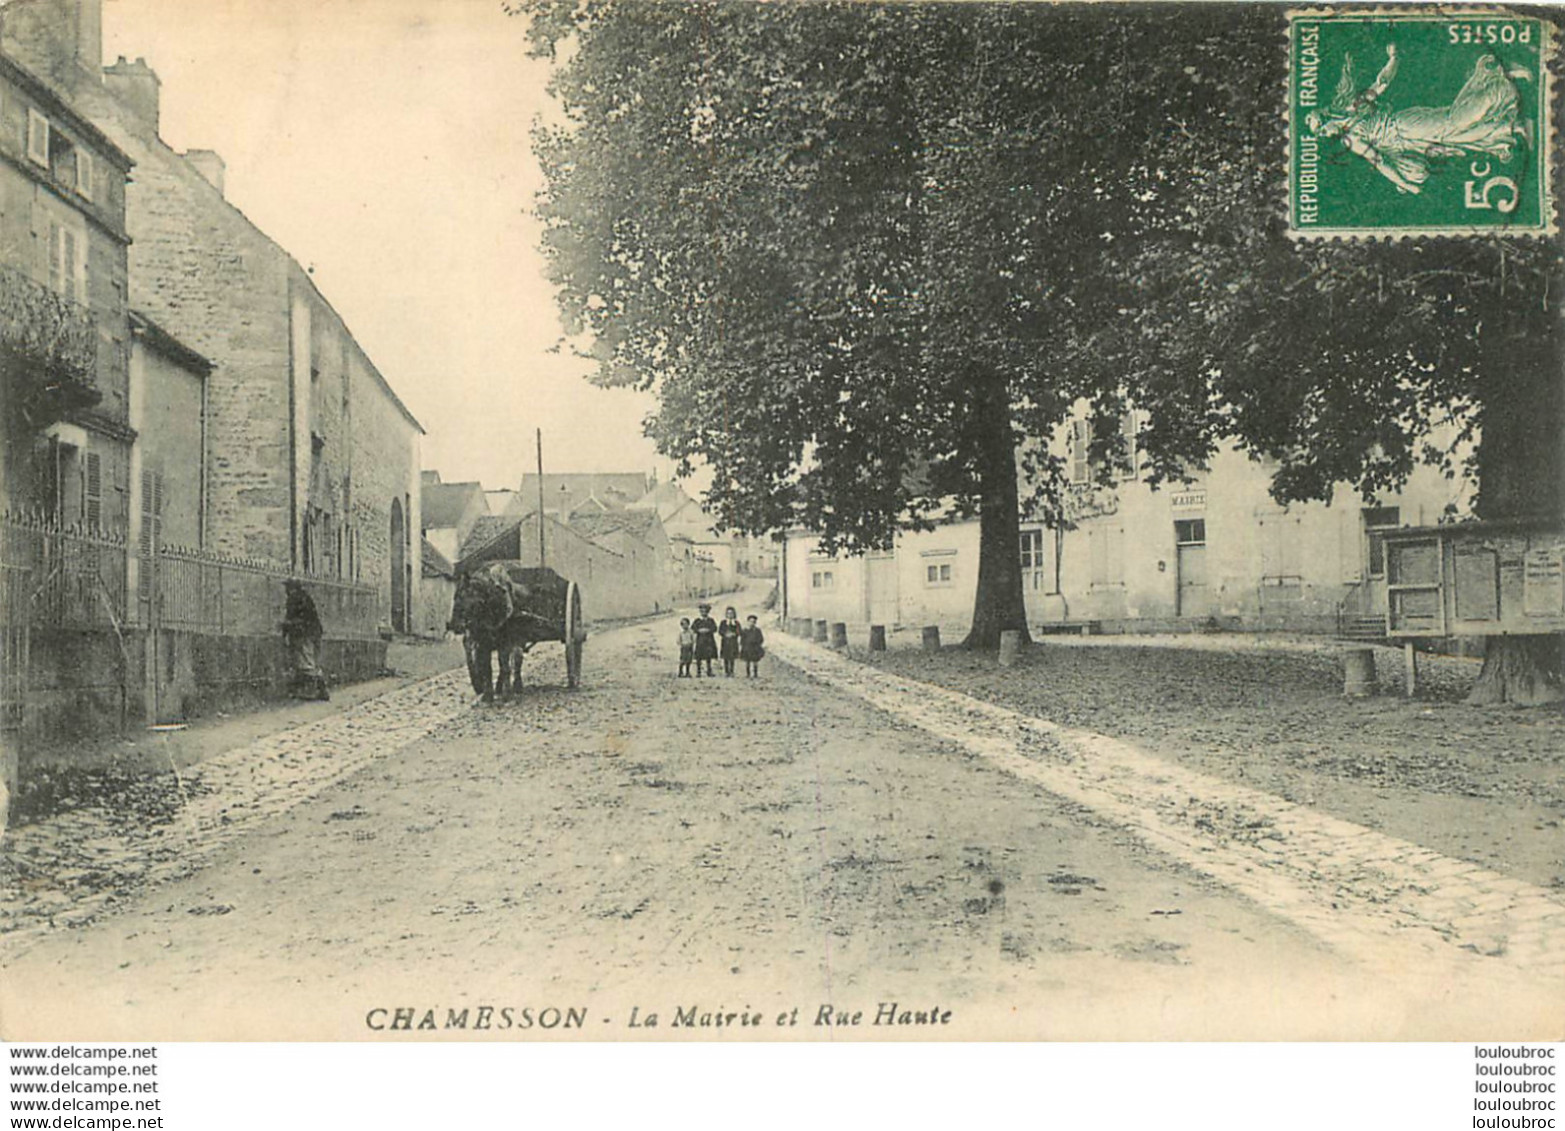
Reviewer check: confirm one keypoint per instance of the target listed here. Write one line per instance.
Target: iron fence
(14, 592)
(73, 577)
(230, 596)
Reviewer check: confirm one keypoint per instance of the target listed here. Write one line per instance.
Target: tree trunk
(1520, 476)
(1521, 670)
(998, 604)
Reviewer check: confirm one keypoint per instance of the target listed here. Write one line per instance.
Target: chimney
(135, 86)
(61, 40)
(209, 165)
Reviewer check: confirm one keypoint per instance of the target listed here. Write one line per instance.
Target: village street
(826, 835)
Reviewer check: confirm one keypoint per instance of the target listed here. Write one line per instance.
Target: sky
(385, 144)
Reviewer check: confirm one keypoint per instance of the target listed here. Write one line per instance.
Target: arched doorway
(399, 587)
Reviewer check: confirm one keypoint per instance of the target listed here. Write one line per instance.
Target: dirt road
(573, 863)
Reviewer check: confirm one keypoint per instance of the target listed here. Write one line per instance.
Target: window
(822, 579)
(1080, 451)
(1032, 559)
(937, 574)
(1377, 519)
(1041, 560)
(1190, 531)
(37, 138)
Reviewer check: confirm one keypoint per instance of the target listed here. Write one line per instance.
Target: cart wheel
(575, 635)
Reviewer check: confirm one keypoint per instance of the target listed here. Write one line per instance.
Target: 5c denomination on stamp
(1418, 121)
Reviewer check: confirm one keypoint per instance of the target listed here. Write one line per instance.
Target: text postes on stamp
(1418, 122)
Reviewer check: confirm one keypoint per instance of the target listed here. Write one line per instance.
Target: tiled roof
(435, 564)
(444, 503)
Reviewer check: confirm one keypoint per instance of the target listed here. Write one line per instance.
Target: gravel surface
(656, 844)
(1483, 784)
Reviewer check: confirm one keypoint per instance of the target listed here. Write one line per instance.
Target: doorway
(1193, 595)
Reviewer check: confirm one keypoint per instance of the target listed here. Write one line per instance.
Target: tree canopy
(870, 256)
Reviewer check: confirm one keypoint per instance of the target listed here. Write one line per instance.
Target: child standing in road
(752, 646)
(728, 634)
(687, 647)
(705, 629)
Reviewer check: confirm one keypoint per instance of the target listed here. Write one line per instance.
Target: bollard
(795, 626)
(839, 635)
(1358, 672)
(1010, 646)
(819, 634)
(931, 642)
(877, 638)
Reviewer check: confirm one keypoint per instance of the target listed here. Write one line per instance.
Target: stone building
(450, 511)
(64, 321)
(313, 459)
(1215, 553)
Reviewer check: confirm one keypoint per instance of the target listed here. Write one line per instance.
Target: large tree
(848, 245)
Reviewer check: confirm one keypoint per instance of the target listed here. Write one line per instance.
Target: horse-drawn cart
(508, 608)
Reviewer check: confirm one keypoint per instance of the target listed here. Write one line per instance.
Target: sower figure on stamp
(1481, 120)
(705, 629)
(302, 635)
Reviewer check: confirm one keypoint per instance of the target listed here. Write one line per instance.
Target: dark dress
(705, 629)
(729, 630)
(752, 643)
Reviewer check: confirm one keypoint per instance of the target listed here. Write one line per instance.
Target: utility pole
(541, 562)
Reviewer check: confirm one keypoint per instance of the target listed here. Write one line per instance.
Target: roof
(444, 504)
(488, 529)
(596, 524)
(435, 563)
(167, 344)
(565, 491)
(667, 499)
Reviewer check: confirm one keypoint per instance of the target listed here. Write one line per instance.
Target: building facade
(1216, 552)
(64, 317)
(313, 459)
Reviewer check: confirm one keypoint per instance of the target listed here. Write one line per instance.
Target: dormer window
(67, 164)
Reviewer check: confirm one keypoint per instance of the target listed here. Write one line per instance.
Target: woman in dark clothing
(705, 629)
(302, 635)
(728, 632)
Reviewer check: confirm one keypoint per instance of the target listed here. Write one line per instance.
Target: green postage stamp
(1418, 121)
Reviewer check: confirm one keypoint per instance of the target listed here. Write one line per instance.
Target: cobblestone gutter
(66, 870)
(1385, 902)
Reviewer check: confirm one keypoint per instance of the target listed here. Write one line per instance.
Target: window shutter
(1127, 427)
(1081, 444)
(70, 277)
(37, 138)
(56, 243)
(92, 491)
(85, 174)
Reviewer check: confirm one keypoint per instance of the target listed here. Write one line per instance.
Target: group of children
(703, 640)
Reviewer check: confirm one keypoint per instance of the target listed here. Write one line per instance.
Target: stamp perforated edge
(1548, 62)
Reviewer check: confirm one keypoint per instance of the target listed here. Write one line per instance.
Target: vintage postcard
(720, 521)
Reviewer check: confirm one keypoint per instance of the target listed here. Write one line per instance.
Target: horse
(486, 610)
